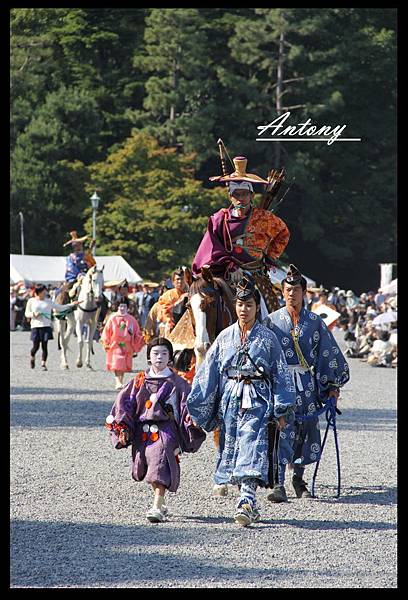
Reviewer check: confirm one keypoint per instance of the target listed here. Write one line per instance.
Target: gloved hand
(236, 276)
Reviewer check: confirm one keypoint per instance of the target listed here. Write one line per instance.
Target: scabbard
(273, 443)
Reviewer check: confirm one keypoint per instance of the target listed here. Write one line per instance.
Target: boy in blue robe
(319, 370)
(242, 384)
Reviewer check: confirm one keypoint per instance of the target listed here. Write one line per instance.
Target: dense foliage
(131, 102)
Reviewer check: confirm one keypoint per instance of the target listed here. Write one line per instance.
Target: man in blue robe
(79, 261)
(319, 370)
(242, 384)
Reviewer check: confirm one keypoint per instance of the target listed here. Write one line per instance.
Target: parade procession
(199, 398)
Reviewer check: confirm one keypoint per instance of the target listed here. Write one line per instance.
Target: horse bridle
(89, 310)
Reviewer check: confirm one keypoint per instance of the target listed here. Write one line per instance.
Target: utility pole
(279, 93)
(22, 231)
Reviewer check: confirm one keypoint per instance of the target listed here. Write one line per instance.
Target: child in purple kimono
(151, 415)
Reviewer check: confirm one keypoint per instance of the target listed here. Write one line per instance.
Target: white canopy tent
(51, 269)
(390, 288)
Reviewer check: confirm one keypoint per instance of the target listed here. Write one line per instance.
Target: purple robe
(212, 250)
(160, 402)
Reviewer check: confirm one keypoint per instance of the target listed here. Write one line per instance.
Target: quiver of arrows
(275, 180)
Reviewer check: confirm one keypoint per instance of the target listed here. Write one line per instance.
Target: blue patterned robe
(215, 400)
(75, 264)
(328, 371)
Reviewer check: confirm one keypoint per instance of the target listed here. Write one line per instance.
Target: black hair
(115, 303)
(39, 288)
(159, 341)
(384, 336)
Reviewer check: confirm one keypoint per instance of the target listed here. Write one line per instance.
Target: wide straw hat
(75, 239)
(240, 174)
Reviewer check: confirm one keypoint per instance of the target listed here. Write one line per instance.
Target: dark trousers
(44, 347)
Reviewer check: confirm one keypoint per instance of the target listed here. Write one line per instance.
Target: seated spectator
(370, 302)
(351, 300)
(366, 340)
(394, 351)
(332, 298)
(379, 298)
(13, 298)
(341, 301)
(381, 352)
(310, 298)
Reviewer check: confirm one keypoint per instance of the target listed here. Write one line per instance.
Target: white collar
(165, 373)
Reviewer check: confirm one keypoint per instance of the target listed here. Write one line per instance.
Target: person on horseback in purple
(243, 237)
(79, 261)
(243, 384)
(319, 370)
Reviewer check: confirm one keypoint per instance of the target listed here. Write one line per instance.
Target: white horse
(65, 326)
(84, 320)
(86, 315)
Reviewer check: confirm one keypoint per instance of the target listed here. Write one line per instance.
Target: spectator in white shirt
(39, 310)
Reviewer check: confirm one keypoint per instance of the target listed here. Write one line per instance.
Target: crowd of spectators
(369, 321)
(140, 299)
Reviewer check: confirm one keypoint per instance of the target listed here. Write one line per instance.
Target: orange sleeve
(165, 303)
(279, 234)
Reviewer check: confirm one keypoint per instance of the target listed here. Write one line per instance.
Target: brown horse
(211, 308)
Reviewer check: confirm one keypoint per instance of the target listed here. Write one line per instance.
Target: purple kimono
(159, 424)
(212, 250)
(231, 241)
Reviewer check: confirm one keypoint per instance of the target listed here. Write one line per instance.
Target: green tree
(337, 63)
(178, 107)
(154, 212)
(47, 169)
(72, 81)
(91, 49)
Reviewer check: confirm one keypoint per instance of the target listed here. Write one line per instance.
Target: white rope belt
(297, 371)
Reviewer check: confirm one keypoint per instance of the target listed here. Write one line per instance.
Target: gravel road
(78, 520)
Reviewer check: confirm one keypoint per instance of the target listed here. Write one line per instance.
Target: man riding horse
(243, 238)
(78, 262)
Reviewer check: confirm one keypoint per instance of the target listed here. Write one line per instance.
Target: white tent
(390, 288)
(51, 269)
(280, 273)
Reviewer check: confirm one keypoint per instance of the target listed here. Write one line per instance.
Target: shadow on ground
(85, 554)
(363, 419)
(65, 412)
(375, 494)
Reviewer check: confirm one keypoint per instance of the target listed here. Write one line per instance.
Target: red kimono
(121, 338)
